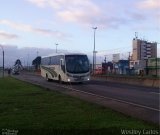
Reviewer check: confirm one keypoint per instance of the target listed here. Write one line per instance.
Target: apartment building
(143, 50)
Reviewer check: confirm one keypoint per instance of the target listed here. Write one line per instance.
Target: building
(137, 66)
(107, 68)
(153, 66)
(98, 69)
(116, 57)
(142, 49)
(123, 67)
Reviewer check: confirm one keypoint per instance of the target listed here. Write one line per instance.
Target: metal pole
(94, 28)
(157, 61)
(28, 61)
(3, 59)
(3, 63)
(156, 68)
(95, 62)
(129, 63)
(56, 47)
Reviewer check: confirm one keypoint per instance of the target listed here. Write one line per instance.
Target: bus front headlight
(68, 80)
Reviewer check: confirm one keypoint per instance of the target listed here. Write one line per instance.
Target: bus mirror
(62, 65)
(62, 62)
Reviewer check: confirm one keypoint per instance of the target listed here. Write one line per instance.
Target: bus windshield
(77, 63)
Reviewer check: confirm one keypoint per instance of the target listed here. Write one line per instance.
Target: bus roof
(56, 54)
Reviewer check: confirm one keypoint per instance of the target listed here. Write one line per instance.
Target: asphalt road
(137, 101)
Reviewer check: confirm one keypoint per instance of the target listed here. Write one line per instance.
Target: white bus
(68, 67)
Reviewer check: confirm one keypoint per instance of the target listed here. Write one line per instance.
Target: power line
(116, 50)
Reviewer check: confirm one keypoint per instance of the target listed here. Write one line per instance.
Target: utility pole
(94, 52)
(105, 66)
(129, 57)
(3, 63)
(28, 61)
(157, 63)
(3, 59)
(156, 67)
(105, 59)
(56, 47)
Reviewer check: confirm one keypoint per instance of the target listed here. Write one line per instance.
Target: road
(136, 101)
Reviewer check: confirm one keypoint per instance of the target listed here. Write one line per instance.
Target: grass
(32, 110)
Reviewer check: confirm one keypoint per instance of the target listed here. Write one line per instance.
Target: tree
(18, 62)
(17, 66)
(36, 62)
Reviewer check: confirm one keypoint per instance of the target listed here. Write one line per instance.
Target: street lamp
(28, 61)
(157, 63)
(3, 58)
(94, 52)
(56, 47)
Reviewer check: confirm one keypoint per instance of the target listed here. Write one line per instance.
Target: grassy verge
(30, 110)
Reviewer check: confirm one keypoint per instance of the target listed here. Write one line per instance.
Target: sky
(69, 23)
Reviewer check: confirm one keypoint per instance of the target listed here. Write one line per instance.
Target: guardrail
(141, 81)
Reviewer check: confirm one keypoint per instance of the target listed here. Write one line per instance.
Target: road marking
(118, 100)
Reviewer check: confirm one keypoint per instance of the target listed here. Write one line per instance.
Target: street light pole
(157, 64)
(3, 63)
(56, 47)
(3, 59)
(94, 28)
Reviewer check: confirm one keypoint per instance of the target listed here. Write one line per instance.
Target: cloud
(40, 3)
(82, 12)
(71, 10)
(29, 28)
(137, 16)
(150, 10)
(149, 4)
(48, 32)
(5, 35)
(104, 14)
(17, 26)
(65, 4)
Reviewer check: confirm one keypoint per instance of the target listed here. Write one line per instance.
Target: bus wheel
(47, 78)
(59, 79)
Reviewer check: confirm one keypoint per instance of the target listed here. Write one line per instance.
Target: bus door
(62, 66)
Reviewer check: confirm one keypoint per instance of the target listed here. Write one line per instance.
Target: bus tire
(59, 79)
(47, 79)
